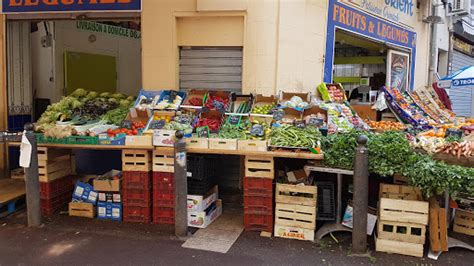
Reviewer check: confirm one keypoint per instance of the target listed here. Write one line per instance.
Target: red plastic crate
(136, 214)
(258, 203)
(136, 180)
(163, 178)
(163, 197)
(136, 197)
(163, 215)
(258, 186)
(56, 187)
(258, 221)
(54, 205)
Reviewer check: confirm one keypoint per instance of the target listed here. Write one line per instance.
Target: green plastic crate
(41, 139)
(83, 140)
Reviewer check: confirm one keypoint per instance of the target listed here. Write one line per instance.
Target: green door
(89, 71)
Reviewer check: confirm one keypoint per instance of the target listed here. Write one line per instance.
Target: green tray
(40, 138)
(83, 140)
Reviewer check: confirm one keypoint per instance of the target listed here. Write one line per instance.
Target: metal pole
(32, 181)
(180, 186)
(361, 197)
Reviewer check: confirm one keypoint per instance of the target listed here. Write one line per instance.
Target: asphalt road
(70, 240)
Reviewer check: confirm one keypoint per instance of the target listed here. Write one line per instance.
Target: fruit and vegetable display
(169, 100)
(212, 122)
(292, 136)
(134, 130)
(216, 102)
(263, 109)
(296, 102)
(332, 92)
(195, 101)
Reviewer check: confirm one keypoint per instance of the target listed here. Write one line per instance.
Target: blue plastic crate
(109, 211)
(148, 94)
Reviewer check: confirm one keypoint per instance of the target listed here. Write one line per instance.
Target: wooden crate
(136, 160)
(464, 222)
(294, 233)
(81, 209)
(201, 143)
(438, 229)
(404, 232)
(405, 211)
(259, 167)
(293, 215)
(399, 179)
(400, 192)
(252, 145)
(54, 168)
(46, 154)
(293, 194)
(163, 160)
(223, 144)
(398, 247)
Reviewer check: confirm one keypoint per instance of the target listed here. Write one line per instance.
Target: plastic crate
(326, 210)
(163, 178)
(200, 168)
(136, 180)
(163, 197)
(50, 190)
(40, 138)
(163, 215)
(136, 197)
(54, 205)
(258, 221)
(83, 140)
(258, 186)
(136, 214)
(258, 203)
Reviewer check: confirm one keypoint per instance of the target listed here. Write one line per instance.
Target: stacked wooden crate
(136, 186)
(402, 220)
(464, 222)
(258, 193)
(295, 211)
(163, 186)
(55, 167)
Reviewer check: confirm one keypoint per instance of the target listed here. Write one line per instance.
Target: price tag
(257, 130)
(202, 132)
(218, 105)
(234, 120)
(157, 124)
(300, 124)
(126, 124)
(278, 114)
(315, 121)
(172, 96)
(183, 119)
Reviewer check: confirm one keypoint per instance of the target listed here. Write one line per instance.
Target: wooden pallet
(398, 247)
(400, 192)
(136, 160)
(404, 232)
(163, 160)
(405, 211)
(81, 209)
(294, 194)
(12, 193)
(252, 145)
(438, 229)
(223, 144)
(260, 166)
(298, 216)
(464, 222)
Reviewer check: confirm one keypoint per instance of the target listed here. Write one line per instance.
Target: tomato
(135, 132)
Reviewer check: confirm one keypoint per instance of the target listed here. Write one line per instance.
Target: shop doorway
(49, 59)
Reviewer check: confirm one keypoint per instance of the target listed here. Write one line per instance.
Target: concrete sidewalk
(71, 240)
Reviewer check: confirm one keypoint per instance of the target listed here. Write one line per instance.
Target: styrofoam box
(163, 137)
(348, 216)
(201, 220)
(198, 203)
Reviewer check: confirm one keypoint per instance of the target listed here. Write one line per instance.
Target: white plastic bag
(380, 104)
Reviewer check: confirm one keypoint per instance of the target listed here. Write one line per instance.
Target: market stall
(269, 133)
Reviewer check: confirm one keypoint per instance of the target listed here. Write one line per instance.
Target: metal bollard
(32, 181)
(361, 197)
(180, 186)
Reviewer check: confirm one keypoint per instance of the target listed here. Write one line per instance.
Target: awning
(462, 78)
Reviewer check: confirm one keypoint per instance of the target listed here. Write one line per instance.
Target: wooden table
(279, 154)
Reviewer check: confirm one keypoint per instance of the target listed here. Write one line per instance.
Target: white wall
(42, 63)
(68, 38)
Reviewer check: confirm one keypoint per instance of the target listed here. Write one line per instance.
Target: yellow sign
(462, 46)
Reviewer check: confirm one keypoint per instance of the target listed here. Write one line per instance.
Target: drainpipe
(433, 45)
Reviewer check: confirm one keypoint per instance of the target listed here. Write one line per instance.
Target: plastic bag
(380, 104)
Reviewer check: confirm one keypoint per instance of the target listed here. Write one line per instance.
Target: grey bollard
(180, 186)
(361, 197)
(32, 181)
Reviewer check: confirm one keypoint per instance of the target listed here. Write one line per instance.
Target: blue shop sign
(462, 82)
(341, 16)
(37, 6)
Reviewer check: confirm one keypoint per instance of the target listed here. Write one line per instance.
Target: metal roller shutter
(214, 68)
(461, 60)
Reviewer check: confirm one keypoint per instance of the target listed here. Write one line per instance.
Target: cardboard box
(138, 141)
(294, 233)
(197, 203)
(295, 176)
(202, 219)
(348, 215)
(84, 192)
(109, 182)
(110, 197)
(163, 137)
(109, 211)
(119, 139)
